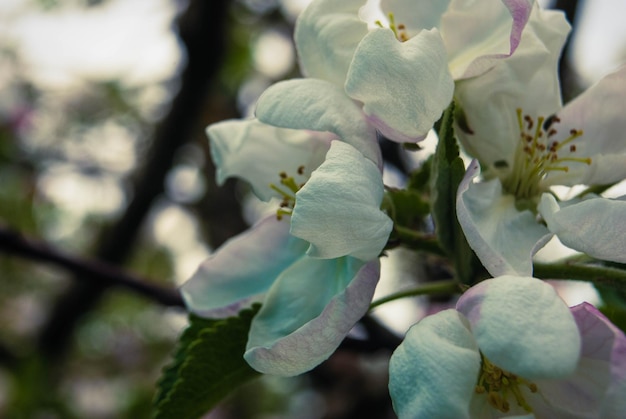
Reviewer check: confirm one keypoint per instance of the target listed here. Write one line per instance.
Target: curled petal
(242, 270)
(338, 209)
(528, 80)
(432, 374)
(523, 326)
(319, 106)
(257, 153)
(308, 312)
(503, 238)
(595, 226)
(404, 86)
(477, 34)
(326, 35)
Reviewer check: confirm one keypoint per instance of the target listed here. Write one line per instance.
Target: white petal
(242, 269)
(522, 325)
(326, 35)
(404, 86)
(320, 106)
(258, 153)
(503, 238)
(595, 226)
(599, 113)
(528, 80)
(433, 373)
(308, 312)
(600, 373)
(338, 209)
(479, 34)
(404, 12)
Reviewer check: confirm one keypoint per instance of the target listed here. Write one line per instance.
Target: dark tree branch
(11, 242)
(201, 30)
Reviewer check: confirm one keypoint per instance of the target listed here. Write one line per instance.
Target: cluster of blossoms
(511, 346)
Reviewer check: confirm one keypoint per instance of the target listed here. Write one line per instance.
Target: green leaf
(407, 207)
(420, 178)
(207, 366)
(446, 175)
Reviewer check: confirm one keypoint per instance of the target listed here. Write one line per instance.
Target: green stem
(439, 287)
(418, 241)
(593, 273)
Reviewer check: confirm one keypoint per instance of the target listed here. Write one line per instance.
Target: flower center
(537, 155)
(499, 386)
(398, 30)
(287, 192)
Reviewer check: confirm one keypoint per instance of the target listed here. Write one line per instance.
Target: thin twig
(11, 242)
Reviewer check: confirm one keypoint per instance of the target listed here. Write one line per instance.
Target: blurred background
(103, 157)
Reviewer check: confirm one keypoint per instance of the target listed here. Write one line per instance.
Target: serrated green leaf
(419, 180)
(446, 175)
(207, 366)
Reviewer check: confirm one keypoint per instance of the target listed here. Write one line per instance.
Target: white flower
(511, 348)
(511, 121)
(314, 264)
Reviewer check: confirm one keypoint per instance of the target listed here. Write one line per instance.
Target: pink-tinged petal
(242, 270)
(318, 105)
(404, 86)
(338, 209)
(528, 80)
(503, 238)
(258, 153)
(595, 226)
(522, 325)
(326, 35)
(404, 13)
(599, 113)
(595, 390)
(308, 312)
(433, 373)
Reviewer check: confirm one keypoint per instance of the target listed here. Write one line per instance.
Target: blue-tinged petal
(326, 35)
(258, 153)
(595, 226)
(592, 391)
(320, 106)
(308, 312)
(433, 373)
(522, 326)
(504, 238)
(404, 86)
(242, 269)
(599, 113)
(338, 209)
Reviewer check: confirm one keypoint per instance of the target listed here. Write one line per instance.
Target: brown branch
(11, 242)
(201, 30)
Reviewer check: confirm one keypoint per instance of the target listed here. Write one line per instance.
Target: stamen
(537, 155)
(287, 192)
(499, 384)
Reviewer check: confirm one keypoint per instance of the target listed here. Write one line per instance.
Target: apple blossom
(314, 290)
(510, 348)
(511, 121)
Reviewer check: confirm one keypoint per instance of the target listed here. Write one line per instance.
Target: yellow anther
(500, 385)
